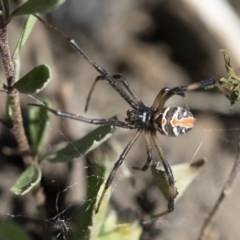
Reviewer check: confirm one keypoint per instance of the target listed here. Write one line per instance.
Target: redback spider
(169, 121)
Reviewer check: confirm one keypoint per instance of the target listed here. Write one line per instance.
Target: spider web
(62, 198)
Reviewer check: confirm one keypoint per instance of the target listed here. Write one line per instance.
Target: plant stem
(13, 96)
(225, 192)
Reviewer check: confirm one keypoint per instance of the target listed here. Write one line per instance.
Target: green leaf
(183, 173)
(78, 148)
(100, 226)
(6, 3)
(227, 61)
(113, 230)
(39, 122)
(92, 223)
(8, 109)
(11, 231)
(98, 219)
(4, 12)
(105, 227)
(27, 180)
(34, 81)
(36, 6)
(27, 28)
(229, 86)
(162, 180)
(17, 64)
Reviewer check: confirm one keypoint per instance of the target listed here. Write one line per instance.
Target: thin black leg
(128, 87)
(164, 95)
(167, 93)
(149, 154)
(91, 91)
(110, 121)
(115, 168)
(124, 82)
(172, 193)
(103, 73)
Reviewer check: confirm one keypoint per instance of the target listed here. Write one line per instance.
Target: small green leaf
(36, 6)
(78, 148)
(229, 86)
(39, 122)
(99, 226)
(17, 64)
(8, 109)
(184, 174)
(4, 12)
(34, 81)
(11, 231)
(105, 227)
(162, 180)
(124, 231)
(6, 2)
(27, 180)
(92, 223)
(27, 29)
(227, 61)
(98, 219)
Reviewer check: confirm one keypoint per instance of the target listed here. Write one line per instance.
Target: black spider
(169, 121)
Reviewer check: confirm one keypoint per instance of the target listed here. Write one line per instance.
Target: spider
(168, 121)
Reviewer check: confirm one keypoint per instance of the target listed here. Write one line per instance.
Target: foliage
(12, 231)
(184, 174)
(32, 83)
(81, 147)
(230, 85)
(27, 180)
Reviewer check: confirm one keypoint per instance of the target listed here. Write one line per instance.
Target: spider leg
(164, 95)
(116, 166)
(103, 72)
(149, 154)
(100, 77)
(205, 84)
(105, 75)
(167, 93)
(63, 114)
(169, 175)
(128, 89)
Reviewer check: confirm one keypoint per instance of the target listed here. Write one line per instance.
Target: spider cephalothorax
(141, 118)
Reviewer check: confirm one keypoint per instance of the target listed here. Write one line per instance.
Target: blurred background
(154, 44)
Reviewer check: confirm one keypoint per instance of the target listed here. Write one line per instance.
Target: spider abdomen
(174, 121)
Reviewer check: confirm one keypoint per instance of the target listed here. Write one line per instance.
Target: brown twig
(13, 96)
(225, 192)
(14, 102)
